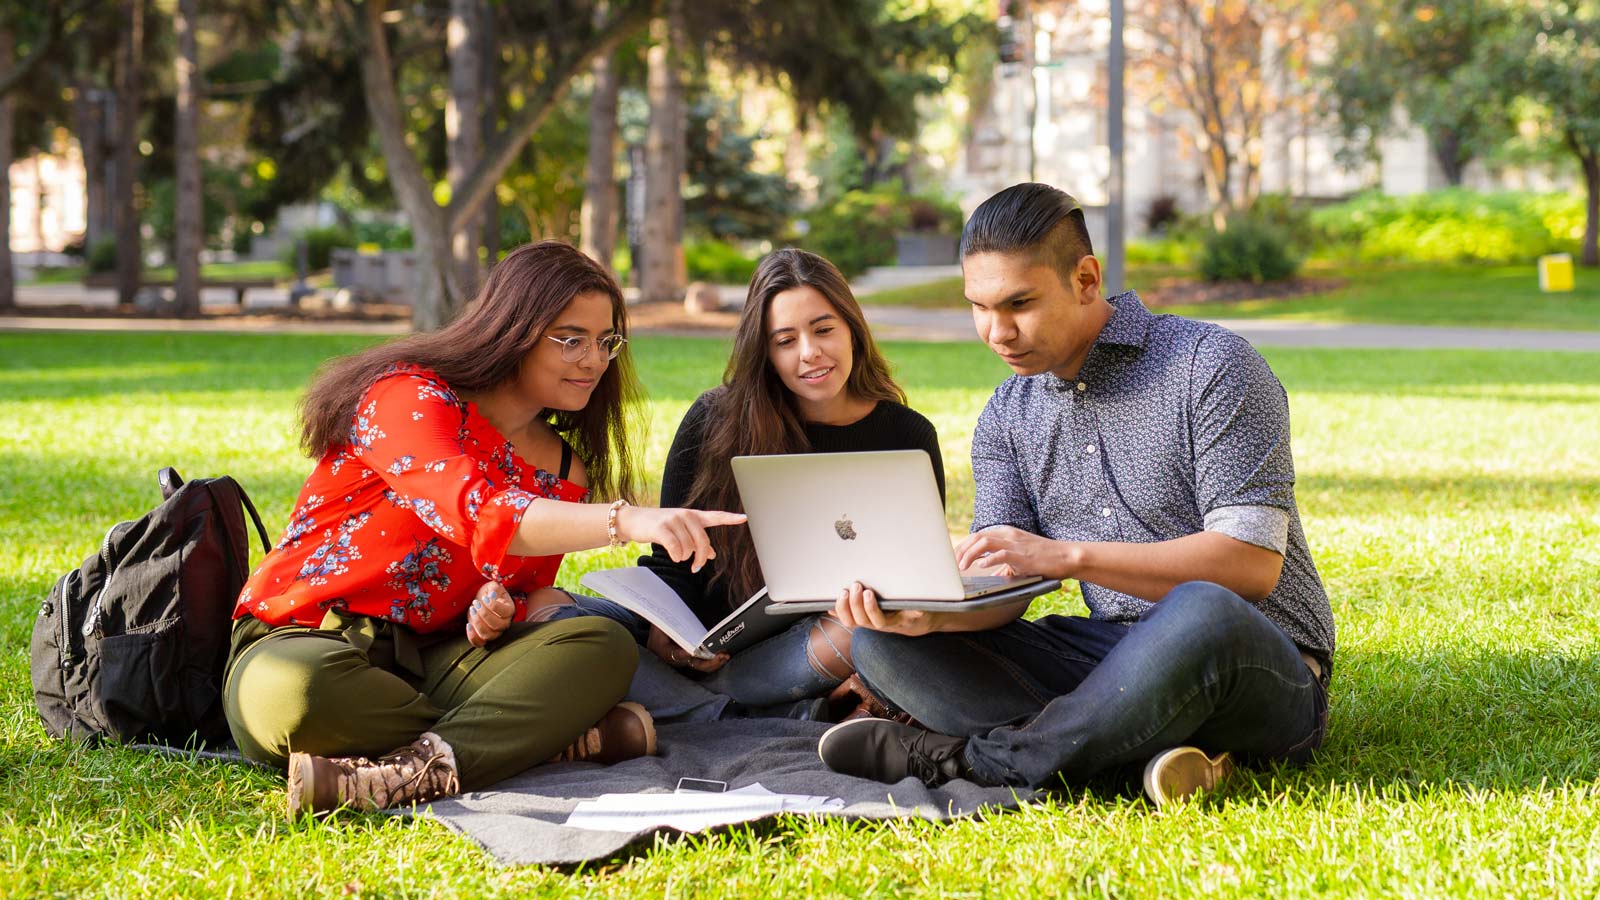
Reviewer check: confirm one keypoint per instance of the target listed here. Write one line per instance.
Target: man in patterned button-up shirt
(1147, 457)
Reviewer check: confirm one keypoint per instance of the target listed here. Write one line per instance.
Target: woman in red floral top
(400, 608)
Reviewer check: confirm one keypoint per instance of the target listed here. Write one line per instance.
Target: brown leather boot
(423, 770)
(626, 732)
(852, 700)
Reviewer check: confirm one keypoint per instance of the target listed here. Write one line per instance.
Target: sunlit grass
(1451, 499)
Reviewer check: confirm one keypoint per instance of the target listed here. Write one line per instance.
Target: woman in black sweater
(805, 377)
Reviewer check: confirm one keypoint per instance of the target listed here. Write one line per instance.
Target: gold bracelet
(611, 522)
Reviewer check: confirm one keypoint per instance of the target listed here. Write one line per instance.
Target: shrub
(1166, 251)
(718, 262)
(933, 215)
(386, 235)
(857, 231)
(103, 255)
(1250, 250)
(320, 243)
(1453, 226)
(1288, 217)
(622, 262)
(1162, 211)
(515, 229)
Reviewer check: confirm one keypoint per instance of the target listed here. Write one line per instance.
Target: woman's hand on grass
(673, 655)
(490, 614)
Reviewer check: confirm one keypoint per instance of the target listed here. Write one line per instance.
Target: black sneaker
(890, 751)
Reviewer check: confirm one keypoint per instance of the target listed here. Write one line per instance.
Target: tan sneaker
(626, 732)
(421, 771)
(1178, 773)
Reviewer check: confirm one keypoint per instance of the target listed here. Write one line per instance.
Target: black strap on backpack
(131, 645)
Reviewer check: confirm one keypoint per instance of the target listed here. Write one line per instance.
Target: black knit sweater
(890, 426)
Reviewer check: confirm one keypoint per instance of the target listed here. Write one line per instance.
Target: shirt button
(1105, 512)
(1082, 387)
(1088, 448)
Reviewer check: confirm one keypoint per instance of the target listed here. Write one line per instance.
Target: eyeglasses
(577, 347)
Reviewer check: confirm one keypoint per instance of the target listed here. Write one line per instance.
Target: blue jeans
(770, 678)
(1070, 695)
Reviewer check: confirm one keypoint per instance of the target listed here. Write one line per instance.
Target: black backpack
(131, 646)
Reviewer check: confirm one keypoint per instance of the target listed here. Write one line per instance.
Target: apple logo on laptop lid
(845, 528)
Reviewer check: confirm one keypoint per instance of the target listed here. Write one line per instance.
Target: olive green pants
(358, 686)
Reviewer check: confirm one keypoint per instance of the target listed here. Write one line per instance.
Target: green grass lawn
(1479, 296)
(1451, 499)
(244, 269)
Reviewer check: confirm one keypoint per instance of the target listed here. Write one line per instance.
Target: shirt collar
(1127, 327)
(1129, 322)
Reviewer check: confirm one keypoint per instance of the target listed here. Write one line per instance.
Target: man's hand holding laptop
(857, 606)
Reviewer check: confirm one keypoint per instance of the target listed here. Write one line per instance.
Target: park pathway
(888, 322)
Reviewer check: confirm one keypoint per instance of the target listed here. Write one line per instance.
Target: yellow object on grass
(1555, 273)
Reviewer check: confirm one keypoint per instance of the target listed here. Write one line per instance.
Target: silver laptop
(823, 520)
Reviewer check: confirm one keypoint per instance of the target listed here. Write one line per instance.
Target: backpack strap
(170, 481)
(566, 460)
(266, 544)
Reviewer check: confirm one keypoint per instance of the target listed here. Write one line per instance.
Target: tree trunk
(188, 221)
(434, 296)
(89, 121)
(662, 241)
(1217, 175)
(597, 220)
(436, 293)
(130, 250)
(490, 217)
(8, 277)
(1447, 151)
(1591, 228)
(463, 125)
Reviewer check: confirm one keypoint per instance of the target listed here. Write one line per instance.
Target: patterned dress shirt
(1172, 427)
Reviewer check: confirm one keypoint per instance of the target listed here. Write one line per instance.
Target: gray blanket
(519, 821)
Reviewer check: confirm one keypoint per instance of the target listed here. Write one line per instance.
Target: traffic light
(1009, 46)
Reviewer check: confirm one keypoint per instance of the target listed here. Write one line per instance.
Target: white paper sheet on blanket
(692, 810)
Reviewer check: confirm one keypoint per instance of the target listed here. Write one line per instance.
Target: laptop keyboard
(979, 585)
(985, 582)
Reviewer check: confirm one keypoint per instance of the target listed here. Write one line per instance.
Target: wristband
(611, 522)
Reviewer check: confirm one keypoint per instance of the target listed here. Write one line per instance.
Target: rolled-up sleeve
(411, 431)
(1244, 472)
(1001, 497)
(1263, 526)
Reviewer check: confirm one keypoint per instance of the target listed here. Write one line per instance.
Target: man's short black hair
(1031, 218)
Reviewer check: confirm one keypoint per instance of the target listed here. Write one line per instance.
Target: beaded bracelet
(611, 522)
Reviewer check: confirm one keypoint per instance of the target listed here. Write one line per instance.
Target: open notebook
(643, 592)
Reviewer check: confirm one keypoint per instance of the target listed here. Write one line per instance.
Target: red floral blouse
(408, 518)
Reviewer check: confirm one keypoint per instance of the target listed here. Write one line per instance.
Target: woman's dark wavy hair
(485, 347)
(752, 413)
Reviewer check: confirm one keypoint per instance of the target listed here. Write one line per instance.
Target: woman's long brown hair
(752, 413)
(483, 349)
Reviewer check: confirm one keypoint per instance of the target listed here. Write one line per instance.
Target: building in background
(1043, 118)
(47, 202)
